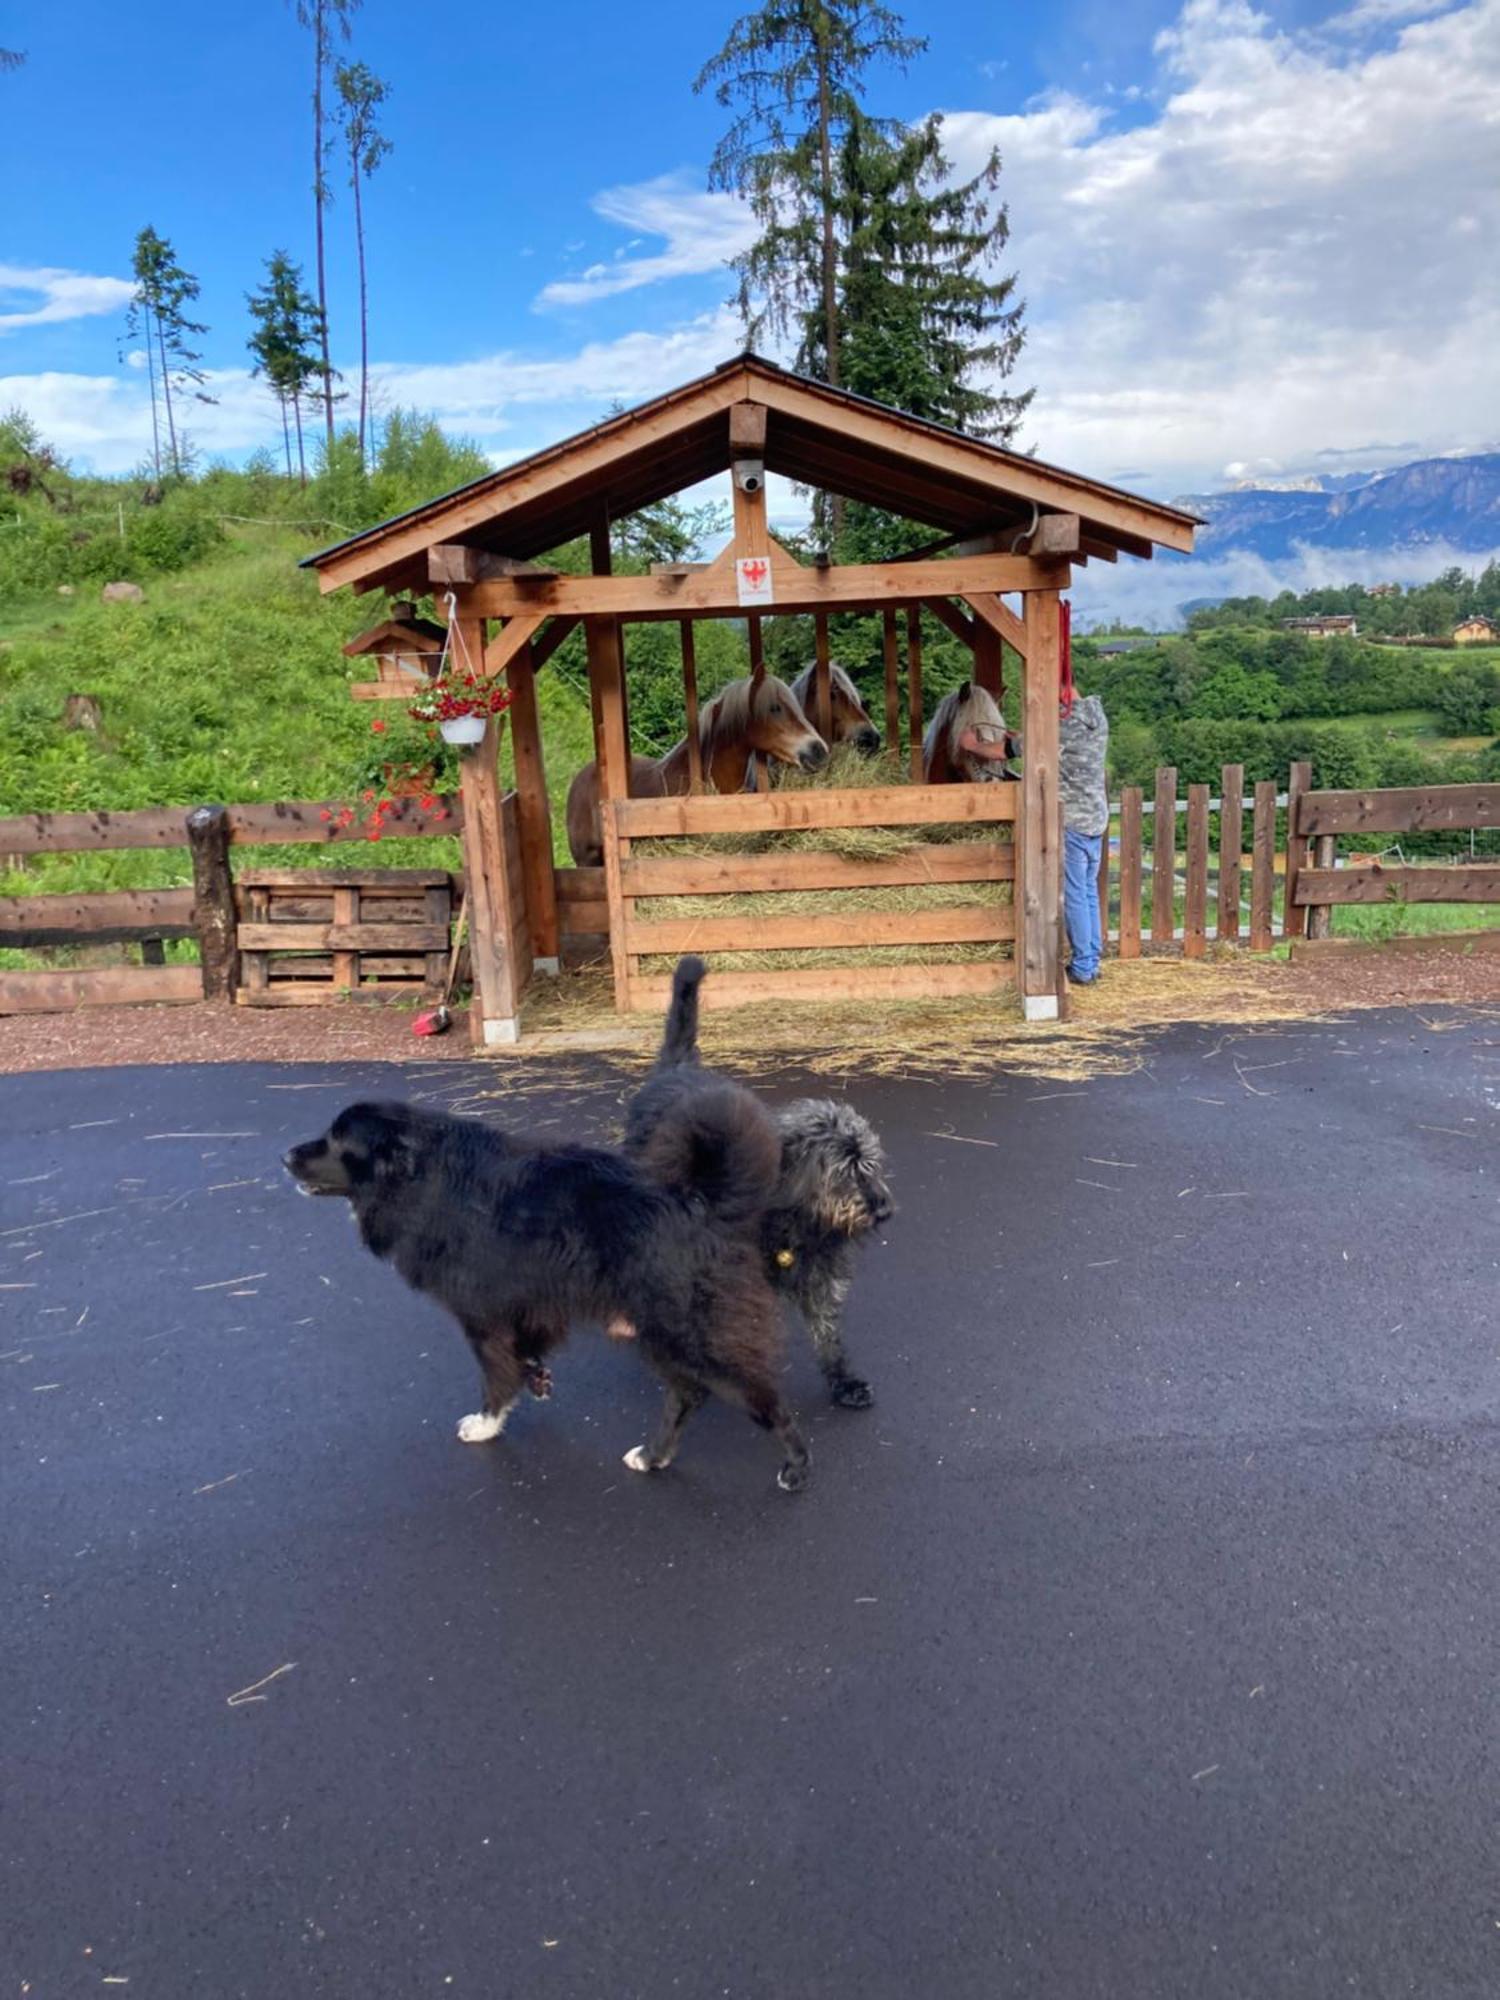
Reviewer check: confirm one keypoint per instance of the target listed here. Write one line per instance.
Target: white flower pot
(468, 729)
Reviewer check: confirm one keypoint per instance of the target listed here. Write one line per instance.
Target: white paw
(480, 1427)
(638, 1459)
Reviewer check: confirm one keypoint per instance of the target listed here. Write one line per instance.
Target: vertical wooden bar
(213, 901)
(615, 850)
(1130, 871)
(601, 556)
(892, 686)
(914, 722)
(346, 963)
(989, 667)
(757, 647)
(1103, 887)
(257, 964)
(1294, 919)
(690, 705)
(1041, 890)
(437, 908)
(486, 874)
(1164, 857)
(1195, 908)
(1064, 996)
(1231, 848)
(822, 680)
(1320, 915)
(607, 689)
(1263, 867)
(533, 814)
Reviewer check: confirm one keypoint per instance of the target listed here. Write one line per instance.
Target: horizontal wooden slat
(93, 832)
(110, 986)
(885, 805)
(321, 996)
(961, 924)
(295, 821)
(343, 937)
(373, 881)
(1408, 809)
(751, 874)
(849, 983)
(1474, 882)
(112, 917)
(579, 885)
(1462, 943)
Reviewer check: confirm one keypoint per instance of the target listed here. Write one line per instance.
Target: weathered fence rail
(1320, 818)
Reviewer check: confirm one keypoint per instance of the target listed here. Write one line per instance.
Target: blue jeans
(1081, 900)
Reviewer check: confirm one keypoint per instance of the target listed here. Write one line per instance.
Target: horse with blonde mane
(967, 741)
(849, 719)
(744, 719)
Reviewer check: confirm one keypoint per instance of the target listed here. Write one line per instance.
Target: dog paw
(852, 1394)
(792, 1478)
(639, 1459)
(480, 1427)
(539, 1381)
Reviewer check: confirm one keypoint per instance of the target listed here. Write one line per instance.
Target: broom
(438, 1020)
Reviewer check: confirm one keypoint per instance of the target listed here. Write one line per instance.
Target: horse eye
(776, 708)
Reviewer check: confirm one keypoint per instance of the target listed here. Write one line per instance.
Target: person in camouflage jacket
(1082, 751)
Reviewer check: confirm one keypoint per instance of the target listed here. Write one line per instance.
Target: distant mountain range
(1447, 503)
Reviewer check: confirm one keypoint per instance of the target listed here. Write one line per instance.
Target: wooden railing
(1319, 818)
(634, 874)
(1228, 890)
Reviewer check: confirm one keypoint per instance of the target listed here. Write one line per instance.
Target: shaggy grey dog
(831, 1193)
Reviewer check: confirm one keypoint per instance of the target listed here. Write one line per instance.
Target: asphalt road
(1140, 1643)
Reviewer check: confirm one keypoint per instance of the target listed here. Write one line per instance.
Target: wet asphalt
(1140, 1643)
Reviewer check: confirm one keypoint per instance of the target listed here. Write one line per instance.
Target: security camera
(749, 475)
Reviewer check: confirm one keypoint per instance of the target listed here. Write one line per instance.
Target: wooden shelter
(1004, 525)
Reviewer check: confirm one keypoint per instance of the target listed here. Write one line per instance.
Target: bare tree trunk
(301, 455)
(166, 392)
(319, 198)
(151, 376)
(830, 262)
(364, 310)
(286, 436)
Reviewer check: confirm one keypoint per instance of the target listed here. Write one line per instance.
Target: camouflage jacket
(1081, 780)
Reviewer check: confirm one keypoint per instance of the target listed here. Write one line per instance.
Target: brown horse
(743, 719)
(849, 719)
(967, 741)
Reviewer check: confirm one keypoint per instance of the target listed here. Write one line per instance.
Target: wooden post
(1064, 997)
(1293, 919)
(1130, 871)
(616, 850)
(214, 916)
(1041, 853)
(989, 660)
(1103, 886)
(1231, 848)
(486, 874)
(602, 560)
(533, 815)
(1263, 866)
(1164, 857)
(823, 720)
(1320, 915)
(892, 686)
(914, 689)
(690, 705)
(346, 963)
(1195, 907)
(607, 689)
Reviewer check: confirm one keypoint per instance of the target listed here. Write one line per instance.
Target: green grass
(1376, 922)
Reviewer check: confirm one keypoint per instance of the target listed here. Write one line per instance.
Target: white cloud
(701, 231)
(1269, 266)
(56, 295)
(1383, 13)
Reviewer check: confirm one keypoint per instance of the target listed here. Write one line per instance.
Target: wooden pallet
(309, 936)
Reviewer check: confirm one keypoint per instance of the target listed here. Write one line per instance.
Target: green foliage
(1468, 697)
(1429, 609)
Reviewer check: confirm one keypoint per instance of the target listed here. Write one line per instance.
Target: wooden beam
(875, 805)
(543, 648)
(1263, 866)
(958, 622)
(690, 705)
(607, 687)
(111, 986)
(1056, 535)
(914, 722)
(1041, 881)
(486, 875)
(752, 531)
(1231, 848)
(774, 873)
(747, 430)
(533, 813)
(1403, 809)
(456, 562)
(712, 592)
(844, 985)
(1471, 882)
(1001, 620)
(213, 901)
(989, 661)
(1164, 857)
(892, 685)
(822, 681)
(509, 645)
(113, 916)
(1293, 912)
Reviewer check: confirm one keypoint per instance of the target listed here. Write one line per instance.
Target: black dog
(517, 1242)
(831, 1187)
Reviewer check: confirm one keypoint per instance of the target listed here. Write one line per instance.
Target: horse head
(763, 717)
(849, 719)
(967, 741)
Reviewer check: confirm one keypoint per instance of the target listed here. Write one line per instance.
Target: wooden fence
(1317, 820)
(633, 875)
(212, 911)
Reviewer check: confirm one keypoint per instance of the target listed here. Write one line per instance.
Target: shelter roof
(820, 437)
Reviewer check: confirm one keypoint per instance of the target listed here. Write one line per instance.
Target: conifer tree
(284, 343)
(155, 313)
(361, 94)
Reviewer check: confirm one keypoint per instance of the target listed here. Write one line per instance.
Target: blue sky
(1252, 240)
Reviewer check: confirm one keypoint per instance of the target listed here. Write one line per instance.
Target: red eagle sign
(752, 576)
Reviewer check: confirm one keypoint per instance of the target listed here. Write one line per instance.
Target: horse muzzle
(813, 756)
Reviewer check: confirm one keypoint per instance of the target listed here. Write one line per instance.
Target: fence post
(214, 916)
(1293, 917)
(1130, 871)
(1164, 857)
(1263, 866)
(1320, 915)
(1195, 904)
(1231, 848)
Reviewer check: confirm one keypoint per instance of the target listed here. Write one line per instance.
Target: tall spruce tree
(284, 342)
(155, 313)
(325, 20)
(361, 94)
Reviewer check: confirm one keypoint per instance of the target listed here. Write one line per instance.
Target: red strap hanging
(1065, 657)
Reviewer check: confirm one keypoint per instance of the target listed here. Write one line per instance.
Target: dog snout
(882, 1208)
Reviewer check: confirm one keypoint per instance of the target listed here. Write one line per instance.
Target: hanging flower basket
(463, 729)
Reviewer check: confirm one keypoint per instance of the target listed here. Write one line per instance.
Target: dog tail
(718, 1148)
(679, 1039)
